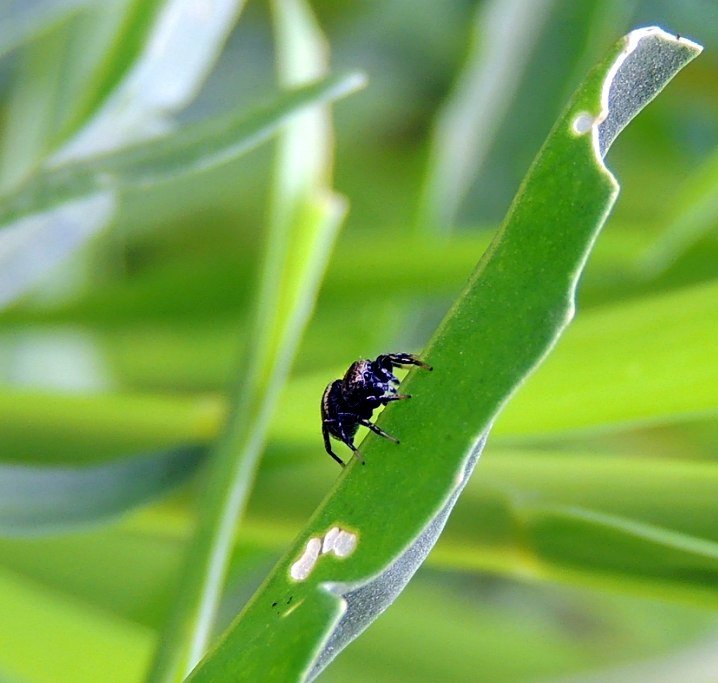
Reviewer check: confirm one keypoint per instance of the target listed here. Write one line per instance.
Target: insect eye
(367, 376)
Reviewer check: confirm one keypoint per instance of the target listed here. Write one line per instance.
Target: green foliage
(164, 295)
(49, 499)
(507, 318)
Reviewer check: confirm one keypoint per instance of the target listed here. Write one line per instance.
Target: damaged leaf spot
(583, 123)
(303, 567)
(342, 543)
(329, 538)
(338, 541)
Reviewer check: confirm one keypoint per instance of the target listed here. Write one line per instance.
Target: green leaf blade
(191, 149)
(305, 216)
(504, 323)
(635, 349)
(41, 500)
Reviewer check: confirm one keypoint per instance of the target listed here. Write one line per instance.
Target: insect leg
(355, 450)
(400, 359)
(349, 440)
(328, 445)
(378, 430)
(395, 397)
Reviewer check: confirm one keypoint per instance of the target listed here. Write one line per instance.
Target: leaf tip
(650, 57)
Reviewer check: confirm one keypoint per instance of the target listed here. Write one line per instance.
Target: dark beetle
(351, 401)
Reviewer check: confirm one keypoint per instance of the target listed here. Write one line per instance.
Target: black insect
(351, 401)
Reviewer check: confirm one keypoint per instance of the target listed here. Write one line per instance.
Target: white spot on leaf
(583, 123)
(303, 567)
(329, 538)
(345, 543)
(338, 541)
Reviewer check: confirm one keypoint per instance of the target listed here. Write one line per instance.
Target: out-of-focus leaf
(643, 361)
(121, 571)
(694, 212)
(193, 148)
(145, 91)
(46, 636)
(33, 245)
(129, 568)
(69, 429)
(430, 266)
(305, 216)
(504, 34)
(640, 524)
(36, 499)
(506, 633)
(63, 77)
(58, 210)
(21, 20)
(176, 55)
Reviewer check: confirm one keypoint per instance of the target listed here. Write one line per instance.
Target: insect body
(351, 401)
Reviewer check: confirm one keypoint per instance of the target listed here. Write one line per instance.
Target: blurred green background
(128, 343)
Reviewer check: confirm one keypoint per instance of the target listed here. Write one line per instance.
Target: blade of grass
(513, 309)
(45, 634)
(622, 358)
(41, 500)
(192, 148)
(140, 92)
(22, 21)
(304, 218)
(651, 361)
(504, 33)
(694, 212)
(80, 197)
(178, 45)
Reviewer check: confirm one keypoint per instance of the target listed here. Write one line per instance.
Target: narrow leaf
(370, 535)
(180, 47)
(504, 35)
(46, 635)
(36, 499)
(623, 361)
(32, 246)
(643, 525)
(693, 213)
(22, 21)
(305, 218)
(192, 148)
